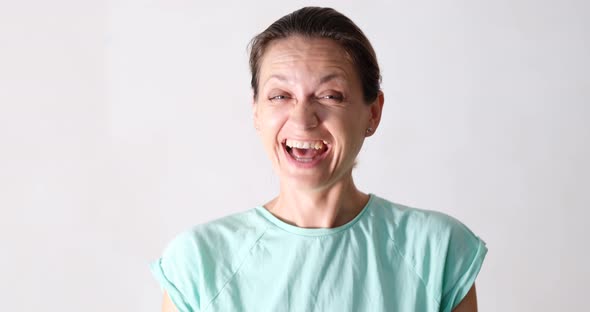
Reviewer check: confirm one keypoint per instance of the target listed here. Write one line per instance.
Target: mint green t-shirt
(390, 257)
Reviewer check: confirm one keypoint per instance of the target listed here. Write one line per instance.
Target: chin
(305, 181)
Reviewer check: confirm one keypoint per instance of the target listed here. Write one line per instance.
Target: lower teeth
(303, 159)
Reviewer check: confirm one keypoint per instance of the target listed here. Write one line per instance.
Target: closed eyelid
(277, 91)
(330, 95)
(334, 93)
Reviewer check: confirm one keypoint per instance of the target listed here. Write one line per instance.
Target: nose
(303, 116)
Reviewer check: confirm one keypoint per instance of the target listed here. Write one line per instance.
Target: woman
(321, 244)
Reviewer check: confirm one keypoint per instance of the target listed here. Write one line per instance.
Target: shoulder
(198, 261)
(218, 238)
(409, 223)
(443, 251)
(418, 232)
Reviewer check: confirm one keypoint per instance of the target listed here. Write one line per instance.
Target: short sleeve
(465, 253)
(176, 273)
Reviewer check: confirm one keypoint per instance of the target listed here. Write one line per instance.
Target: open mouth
(306, 152)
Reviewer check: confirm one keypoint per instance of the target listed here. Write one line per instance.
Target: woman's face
(310, 111)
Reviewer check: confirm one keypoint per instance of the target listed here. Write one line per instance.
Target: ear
(375, 109)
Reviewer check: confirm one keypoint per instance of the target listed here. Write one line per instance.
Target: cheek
(348, 128)
(344, 120)
(271, 121)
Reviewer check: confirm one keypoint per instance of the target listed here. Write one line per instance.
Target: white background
(123, 123)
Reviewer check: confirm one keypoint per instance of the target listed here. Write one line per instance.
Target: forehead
(297, 55)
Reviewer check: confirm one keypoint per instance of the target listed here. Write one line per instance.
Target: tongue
(304, 152)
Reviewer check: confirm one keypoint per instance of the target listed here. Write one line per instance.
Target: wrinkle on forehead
(297, 55)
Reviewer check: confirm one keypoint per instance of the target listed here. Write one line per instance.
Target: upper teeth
(306, 144)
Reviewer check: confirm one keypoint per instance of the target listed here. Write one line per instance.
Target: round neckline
(313, 231)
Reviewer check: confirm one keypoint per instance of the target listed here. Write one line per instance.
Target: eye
(278, 98)
(332, 97)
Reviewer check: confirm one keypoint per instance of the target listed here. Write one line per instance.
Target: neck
(326, 208)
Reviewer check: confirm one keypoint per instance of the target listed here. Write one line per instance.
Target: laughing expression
(310, 111)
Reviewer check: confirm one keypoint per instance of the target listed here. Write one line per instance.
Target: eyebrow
(278, 77)
(331, 77)
(322, 80)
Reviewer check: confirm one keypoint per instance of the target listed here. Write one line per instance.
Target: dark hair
(315, 22)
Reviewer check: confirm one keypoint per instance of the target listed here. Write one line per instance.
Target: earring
(369, 130)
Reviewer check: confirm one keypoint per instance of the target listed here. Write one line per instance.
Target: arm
(167, 305)
(469, 303)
